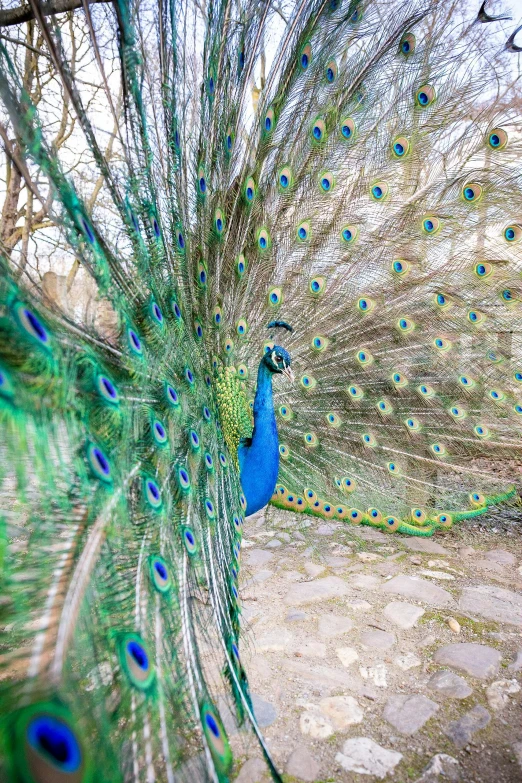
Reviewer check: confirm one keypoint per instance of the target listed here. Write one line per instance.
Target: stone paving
(372, 656)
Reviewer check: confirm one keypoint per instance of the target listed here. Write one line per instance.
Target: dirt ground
(345, 628)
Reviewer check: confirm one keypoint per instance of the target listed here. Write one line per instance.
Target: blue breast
(259, 462)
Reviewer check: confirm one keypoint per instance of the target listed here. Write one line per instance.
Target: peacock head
(278, 360)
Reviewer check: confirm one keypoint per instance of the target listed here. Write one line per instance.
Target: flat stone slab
(517, 749)
(363, 755)
(490, 567)
(419, 589)
(424, 545)
(318, 590)
(449, 684)
(264, 711)
(498, 693)
(478, 660)
(359, 605)
(259, 576)
(347, 655)
(313, 569)
(331, 625)
(313, 723)
(274, 640)
(274, 543)
(252, 771)
(407, 661)
(516, 665)
(375, 673)
(501, 556)
(295, 616)
(402, 614)
(321, 675)
(258, 557)
(493, 603)
(341, 711)
(302, 765)
(461, 731)
(441, 766)
(377, 640)
(370, 534)
(336, 561)
(407, 713)
(326, 530)
(365, 581)
(310, 649)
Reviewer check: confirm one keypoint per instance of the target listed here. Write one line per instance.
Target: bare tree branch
(20, 14)
(23, 43)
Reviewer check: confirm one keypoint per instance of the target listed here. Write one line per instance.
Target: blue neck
(259, 462)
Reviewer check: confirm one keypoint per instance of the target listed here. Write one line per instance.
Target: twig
(22, 13)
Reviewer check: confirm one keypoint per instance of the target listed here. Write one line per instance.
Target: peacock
(298, 226)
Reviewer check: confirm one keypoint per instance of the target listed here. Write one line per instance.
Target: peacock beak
(288, 372)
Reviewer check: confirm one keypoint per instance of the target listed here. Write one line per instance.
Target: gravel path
(375, 656)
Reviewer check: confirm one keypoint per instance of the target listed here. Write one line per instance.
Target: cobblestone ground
(375, 656)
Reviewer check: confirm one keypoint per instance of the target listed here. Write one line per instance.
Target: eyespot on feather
(308, 382)
(407, 45)
(318, 133)
(310, 440)
(349, 234)
(219, 222)
(47, 745)
(444, 520)
(426, 391)
(135, 661)
(477, 499)
(355, 391)
(317, 285)
(391, 524)
(364, 358)
(305, 56)
(326, 181)
(333, 420)
(379, 191)
(365, 305)
(399, 380)
(425, 96)
(400, 147)
(513, 233)
(405, 325)
(475, 317)
(412, 424)
(431, 225)
(471, 192)
(418, 516)
(374, 516)
(241, 265)
(348, 129)
(442, 344)
(355, 516)
(285, 179)
(249, 190)
(275, 296)
(497, 139)
(263, 239)
(269, 122)
(401, 267)
(304, 231)
(331, 71)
